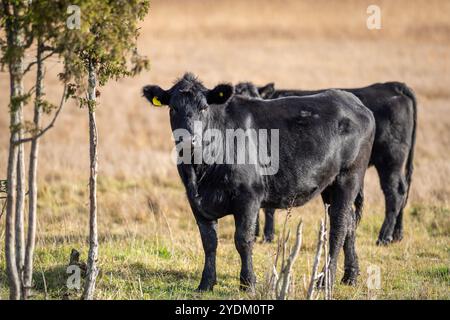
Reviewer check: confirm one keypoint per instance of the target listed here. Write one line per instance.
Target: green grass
(150, 248)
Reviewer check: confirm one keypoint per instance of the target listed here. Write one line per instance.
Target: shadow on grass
(145, 273)
(166, 283)
(55, 281)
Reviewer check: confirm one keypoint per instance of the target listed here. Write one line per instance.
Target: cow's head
(188, 100)
(248, 89)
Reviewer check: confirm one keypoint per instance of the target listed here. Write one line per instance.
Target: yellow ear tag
(156, 101)
(220, 94)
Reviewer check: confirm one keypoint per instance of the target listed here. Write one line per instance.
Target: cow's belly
(289, 201)
(292, 198)
(296, 189)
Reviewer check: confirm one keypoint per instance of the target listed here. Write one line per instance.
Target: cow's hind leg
(269, 228)
(208, 232)
(351, 266)
(394, 188)
(244, 236)
(340, 196)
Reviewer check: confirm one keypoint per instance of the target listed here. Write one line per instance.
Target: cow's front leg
(208, 233)
(245, 221)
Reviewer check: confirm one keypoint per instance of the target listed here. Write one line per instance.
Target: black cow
(325, 142)
(394, 107)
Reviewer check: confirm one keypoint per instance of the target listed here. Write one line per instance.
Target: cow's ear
(267, 90)
(220, 94)
(156, 95)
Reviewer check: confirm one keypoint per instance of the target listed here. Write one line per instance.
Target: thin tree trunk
(20, 202)
(16, 87)
(92, 270)
(32, 178)
(10, 248)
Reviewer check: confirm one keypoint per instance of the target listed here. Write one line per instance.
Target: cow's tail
(359, 204)
(408, 92)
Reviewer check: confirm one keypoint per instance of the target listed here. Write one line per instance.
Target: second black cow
(394, 107)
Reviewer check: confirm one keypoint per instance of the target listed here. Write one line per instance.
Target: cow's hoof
(206, 286)
(397, 236)
(249, 288)
(349, 281)
(350, 277)
(204, 289)
(384, 241)
(248, 284)
(268, 239)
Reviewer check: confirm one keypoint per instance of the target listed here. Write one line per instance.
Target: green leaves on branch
(107, 38)
(17, 101)
(15, 17)
(85, 102)
(139, 63)
(107, 35)
(47, 107)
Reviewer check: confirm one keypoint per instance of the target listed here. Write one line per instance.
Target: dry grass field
(150, 246)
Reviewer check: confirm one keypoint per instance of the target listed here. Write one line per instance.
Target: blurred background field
(150, 246)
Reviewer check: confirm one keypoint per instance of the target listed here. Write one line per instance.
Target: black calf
(324, 148)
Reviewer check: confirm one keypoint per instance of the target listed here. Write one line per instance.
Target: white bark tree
(23, 21)
(92, 269)
(101, 53)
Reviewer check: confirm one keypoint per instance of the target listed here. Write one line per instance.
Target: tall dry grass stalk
(322, 246)
(318, 255)
(278, 283)
(284, 279)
